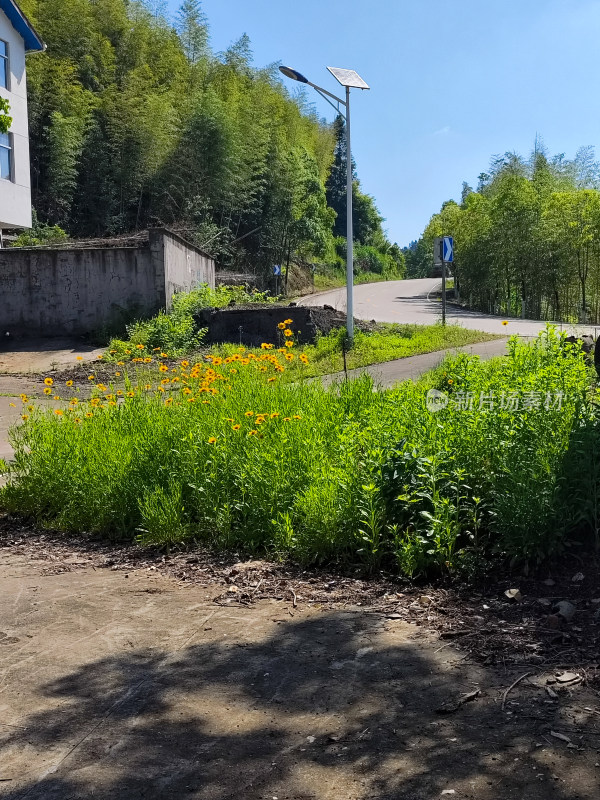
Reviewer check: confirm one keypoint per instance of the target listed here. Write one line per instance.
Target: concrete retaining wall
(53, 292)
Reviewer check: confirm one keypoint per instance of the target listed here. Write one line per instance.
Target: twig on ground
(512, 686)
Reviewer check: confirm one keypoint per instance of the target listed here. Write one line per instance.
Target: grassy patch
(386, 343)
(229, 453)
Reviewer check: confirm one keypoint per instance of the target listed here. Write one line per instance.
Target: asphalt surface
(415, 301)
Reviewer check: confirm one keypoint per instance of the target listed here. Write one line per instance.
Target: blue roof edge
(21, 24)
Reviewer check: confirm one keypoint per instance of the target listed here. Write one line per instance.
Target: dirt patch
(254, 324)
(479, 620)
(124, 682)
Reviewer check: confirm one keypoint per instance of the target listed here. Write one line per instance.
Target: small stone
(567, 677)
(513, 594)
(543, 601)
(566, 610)
(425, 600)
(578, 577)
(549, 582)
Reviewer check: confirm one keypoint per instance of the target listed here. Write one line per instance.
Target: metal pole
(443, 285)
(349, 232)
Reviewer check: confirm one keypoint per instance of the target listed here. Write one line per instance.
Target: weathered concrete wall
(53, 292)
(57, 292)
(185, 266)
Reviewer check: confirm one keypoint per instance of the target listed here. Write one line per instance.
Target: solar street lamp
(350, 80)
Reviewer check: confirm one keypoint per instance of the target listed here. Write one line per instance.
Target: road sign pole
(443, 288)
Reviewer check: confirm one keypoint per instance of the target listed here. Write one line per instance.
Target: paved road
(405, 369)
(410, 301)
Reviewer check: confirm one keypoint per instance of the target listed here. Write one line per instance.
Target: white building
(17, 37)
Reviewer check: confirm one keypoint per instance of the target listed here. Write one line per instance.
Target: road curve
(409, 302)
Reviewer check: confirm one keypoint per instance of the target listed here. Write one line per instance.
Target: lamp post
(349, 79)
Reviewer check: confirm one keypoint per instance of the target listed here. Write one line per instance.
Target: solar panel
(348, 77)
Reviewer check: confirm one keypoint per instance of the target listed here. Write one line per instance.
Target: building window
(4, 71)
(6, 156)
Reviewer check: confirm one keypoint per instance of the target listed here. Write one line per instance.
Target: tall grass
(230, 454)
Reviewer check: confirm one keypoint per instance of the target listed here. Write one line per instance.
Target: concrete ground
(415, 301)
(125, 685)
(43, 355)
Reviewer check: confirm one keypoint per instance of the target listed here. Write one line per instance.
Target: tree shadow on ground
(327, 706)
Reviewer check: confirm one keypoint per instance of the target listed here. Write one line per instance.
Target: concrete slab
(130, 685)
(43, 355)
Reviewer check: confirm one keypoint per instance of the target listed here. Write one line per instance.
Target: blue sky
(453, 82)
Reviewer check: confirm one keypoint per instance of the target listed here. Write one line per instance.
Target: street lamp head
(293, 74)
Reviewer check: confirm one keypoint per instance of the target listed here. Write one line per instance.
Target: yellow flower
(24, 397)
(252, 433)
(260, 420)
(450, 380)
(12, 405)
(24, 417)
(140, 346)
(212, 440)
(193, 400)
(91, 377)
(271, 380)
(297, 416)
(286, 419)
(163, 368)
(117, 374)
(289, 357)
(288, 332)
(187, 390)
(304, 359)
(47, 390)
(147, 360)
(79, 358)
(281, 326)
(505, 322)
(69, 383)
(287, 321)
(164, 355)
(130, 394)
(101, 387)
(249, 413)
(169, 401)
(119, 393)
(160, 389)
(233, 371)
(236, 427)
(185, 364)
(48, 381)
(56, 397)
(289, 343)
(89, 414)
(274, 414)
(77, 420)
(58, 412)
(120, 363)
(112, 352)
(74, 401)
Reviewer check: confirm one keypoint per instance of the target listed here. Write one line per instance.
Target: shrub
(175, 331)
(228, 453)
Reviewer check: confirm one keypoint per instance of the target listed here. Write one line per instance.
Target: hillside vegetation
(527, 242)
(135, 121)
